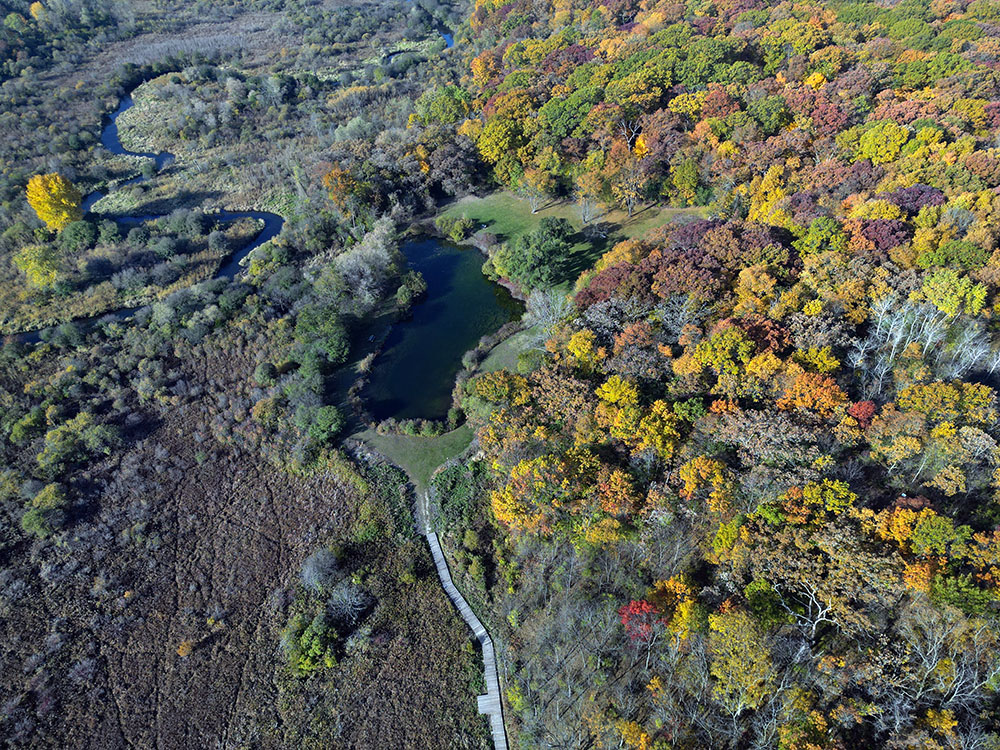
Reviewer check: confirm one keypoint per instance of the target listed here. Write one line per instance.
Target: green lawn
(503, 356)
(419, 456)
(508, 217)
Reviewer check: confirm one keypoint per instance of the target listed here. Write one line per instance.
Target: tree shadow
(637, 214)
(597, 238)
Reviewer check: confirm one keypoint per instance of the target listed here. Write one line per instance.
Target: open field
(508, 216)
(419, 456)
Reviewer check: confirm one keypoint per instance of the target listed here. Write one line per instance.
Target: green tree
(40, 263)
(444, 104)
(823, 234)
(326, 424)
(684, 177)
(45, 512)
(73, 441)
(952, 293)
(320, 329)
(882, 142)
(536, 259)
(77, 236)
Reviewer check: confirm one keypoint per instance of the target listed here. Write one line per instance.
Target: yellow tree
(628, 185)
(589, 187)
(55, 200)
(741, 663)
(536, 185)
(768, 193)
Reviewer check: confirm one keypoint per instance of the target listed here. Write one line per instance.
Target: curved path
(231, 265)
(491, 703)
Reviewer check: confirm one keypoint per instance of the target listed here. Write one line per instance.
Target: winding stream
(231, 265)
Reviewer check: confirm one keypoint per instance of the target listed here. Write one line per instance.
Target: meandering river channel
(414, 374)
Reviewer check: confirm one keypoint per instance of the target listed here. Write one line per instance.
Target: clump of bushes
(412, 289)
(454, 228)
(45, 513)
(309, 643)
(421, 427)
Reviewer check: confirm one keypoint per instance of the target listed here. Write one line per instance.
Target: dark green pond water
(414, 375)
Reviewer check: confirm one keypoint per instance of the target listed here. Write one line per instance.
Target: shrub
(265, 374)
(320, 569)
(326, 424)
(309, 644)
(470, 540)
(45, 513)
(461, 229)
(413, 288)
(346, 603)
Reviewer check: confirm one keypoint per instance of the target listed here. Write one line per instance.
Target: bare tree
(629, 130)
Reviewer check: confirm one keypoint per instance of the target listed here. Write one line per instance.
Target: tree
(589, 187)
(444, 104)
(882, 143)
(535, 259)
(767, 197)
(46, 511)
(952, 293)
(310, 643)
(39, 263)
(741, 663)
(814, 392)
(326, 423)
(536, 185)
(684, 177)
(628, 185)
(77, 236)
(827, 575)
(643, 623)
(75, 440)
(498, 138)
(823, 234)
(342, 188)
(55, 200)
(771, 113)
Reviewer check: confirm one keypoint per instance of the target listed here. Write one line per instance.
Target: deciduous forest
(719, 468)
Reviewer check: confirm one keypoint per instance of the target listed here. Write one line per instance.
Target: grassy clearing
(504, 355)
(419, 456)
(509, 217)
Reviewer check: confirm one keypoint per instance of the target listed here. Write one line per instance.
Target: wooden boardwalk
(490, 703)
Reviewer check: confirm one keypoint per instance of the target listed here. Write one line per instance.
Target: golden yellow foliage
(55, 200)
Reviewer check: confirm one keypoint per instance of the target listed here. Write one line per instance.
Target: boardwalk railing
(490, 703)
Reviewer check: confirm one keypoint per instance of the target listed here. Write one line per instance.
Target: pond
(414, 375)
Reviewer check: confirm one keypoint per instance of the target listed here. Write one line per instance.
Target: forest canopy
(762, 448)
